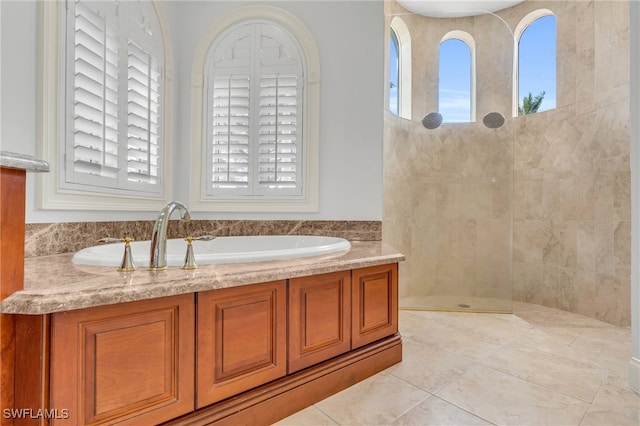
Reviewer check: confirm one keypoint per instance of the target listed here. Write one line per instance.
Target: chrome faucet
(158, 256)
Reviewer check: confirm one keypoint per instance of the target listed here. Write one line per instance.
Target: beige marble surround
(44, 239)
(543, 202)
(55, 284)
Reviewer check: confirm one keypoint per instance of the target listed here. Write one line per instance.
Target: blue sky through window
(537, 62)
(455, 81)
(394, 75)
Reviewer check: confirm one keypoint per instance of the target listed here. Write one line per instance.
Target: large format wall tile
(559, 180)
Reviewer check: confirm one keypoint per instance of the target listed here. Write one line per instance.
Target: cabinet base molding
(278, 399)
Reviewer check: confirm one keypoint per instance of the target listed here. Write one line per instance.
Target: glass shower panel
(461, 248)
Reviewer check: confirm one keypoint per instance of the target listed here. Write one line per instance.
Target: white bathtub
(221, 250)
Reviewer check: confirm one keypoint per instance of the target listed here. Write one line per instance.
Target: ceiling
(455, 8)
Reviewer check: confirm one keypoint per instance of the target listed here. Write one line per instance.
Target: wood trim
(374, 297)
(124, 347)
(242, 339)
(281, 398)
(319, 318)
(33, 341)
(12, 218)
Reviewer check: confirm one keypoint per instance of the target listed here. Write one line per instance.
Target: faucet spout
(158, 255)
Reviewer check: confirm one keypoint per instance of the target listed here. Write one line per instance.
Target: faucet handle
(127, 264)
(189, 258)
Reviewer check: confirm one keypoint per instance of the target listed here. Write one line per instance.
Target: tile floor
(539, 366)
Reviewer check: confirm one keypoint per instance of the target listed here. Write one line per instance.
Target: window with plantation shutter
(114, 90)
(253, 109)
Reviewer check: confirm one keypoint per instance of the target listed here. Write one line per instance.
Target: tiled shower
(537, 210)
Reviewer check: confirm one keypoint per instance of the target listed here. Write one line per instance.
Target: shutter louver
(143, 81)
(114, 90)
(230, 128)
(254, 136)
(95, 95)
(278, 132)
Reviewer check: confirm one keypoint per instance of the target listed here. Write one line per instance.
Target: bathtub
(221, 250)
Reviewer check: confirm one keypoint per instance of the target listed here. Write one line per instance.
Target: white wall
(349, 35)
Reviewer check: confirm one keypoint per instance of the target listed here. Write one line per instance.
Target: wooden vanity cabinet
(319, 318)
(241, 335)
(374, 304)
(249, 354)
(130, 363)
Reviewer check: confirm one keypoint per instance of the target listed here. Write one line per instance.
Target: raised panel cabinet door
(131, 363)
(374, 303)
(319, 318)
(241, 334)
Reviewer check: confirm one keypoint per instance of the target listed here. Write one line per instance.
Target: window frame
(251, 76)
(393, 38)
(517, 35)
(403, 36)
(467, 39)
(308, 201)
(51, 193)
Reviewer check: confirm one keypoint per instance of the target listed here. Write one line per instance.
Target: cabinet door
(241, 334)
(319, 318)
(130, 363)
(374, 304)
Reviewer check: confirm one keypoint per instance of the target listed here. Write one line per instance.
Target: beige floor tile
(552, 340)
(434, 411)
(466, 342)
(309, 416)
(615, 396)
(600, 417)
(538, 365)
(566, 375)
(378, 400)
(507, 400)
(615, 358)
(541, 315)
(432, 369)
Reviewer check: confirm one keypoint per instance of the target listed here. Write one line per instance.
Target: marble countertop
(55, 284)
(23, 162)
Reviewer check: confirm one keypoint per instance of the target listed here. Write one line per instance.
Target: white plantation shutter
(230, 133)
(114, 96)
(143, 116)
(94, 83)
(278, 130)
(254, 132)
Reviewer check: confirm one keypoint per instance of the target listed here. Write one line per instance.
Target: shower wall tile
(622, 195)
(561, 178)
(622, 249)
(612, 299)
(528, 242)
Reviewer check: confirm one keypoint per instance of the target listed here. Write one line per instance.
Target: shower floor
(456, 303)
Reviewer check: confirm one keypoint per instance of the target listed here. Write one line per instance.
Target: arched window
(457, 78)
(113, 103)
(256, 100)
(535, 69)
(394, 74)
(400, 69)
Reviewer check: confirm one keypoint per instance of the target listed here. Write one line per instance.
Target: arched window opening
(106, 104)
(456, 91)
(536, 63)
(400, 69)
(256, 98)
(394, 74)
